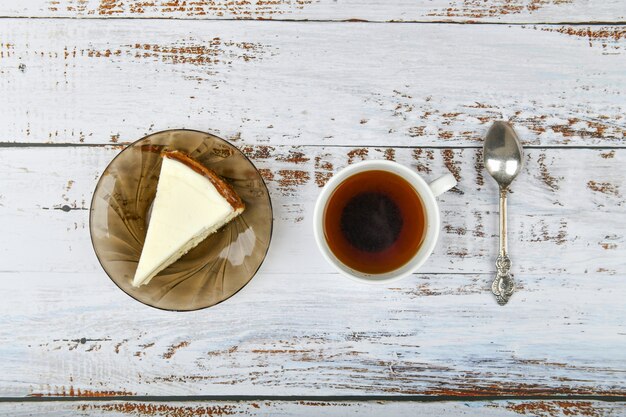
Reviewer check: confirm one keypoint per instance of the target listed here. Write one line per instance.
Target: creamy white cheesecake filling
(187, 209)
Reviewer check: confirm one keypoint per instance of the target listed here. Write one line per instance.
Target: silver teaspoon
(503, 157)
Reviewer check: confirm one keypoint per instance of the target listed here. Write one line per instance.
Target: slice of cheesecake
(191, 203)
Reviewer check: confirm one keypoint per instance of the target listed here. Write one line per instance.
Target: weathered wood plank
(566, 212)
(315, 408)
(76, 334)
(526, 11)
(300, 328)
(77, 81)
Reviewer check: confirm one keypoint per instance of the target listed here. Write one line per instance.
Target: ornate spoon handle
(503, 285)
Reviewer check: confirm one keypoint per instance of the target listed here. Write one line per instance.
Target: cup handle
(442, 184)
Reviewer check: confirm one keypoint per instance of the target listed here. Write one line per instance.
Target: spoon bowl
(502, 153)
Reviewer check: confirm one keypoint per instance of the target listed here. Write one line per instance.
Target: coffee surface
(374, 222)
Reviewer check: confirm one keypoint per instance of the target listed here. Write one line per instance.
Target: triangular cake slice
(191, 203)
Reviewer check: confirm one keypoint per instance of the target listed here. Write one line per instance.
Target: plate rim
(91, 210)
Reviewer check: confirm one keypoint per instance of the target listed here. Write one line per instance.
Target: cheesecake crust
(220, 185)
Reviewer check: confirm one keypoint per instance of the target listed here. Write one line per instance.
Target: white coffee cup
(426, 191)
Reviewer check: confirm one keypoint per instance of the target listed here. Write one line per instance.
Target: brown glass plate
(211, 272)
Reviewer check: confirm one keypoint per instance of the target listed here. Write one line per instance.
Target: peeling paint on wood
(248, 85)
(477, 9)
(171, 351)
(358, 154)
(554, 408)
(395, 345)
(260, 9)
(550, 181)
(562, 255)
(265, 87)
(141, 409)
(604, 187)
(524, 11)
(323, 169)
(510, 408)
(545, 196)
(607, 37)
(77, 392)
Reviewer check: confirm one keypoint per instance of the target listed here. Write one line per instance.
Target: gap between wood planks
(356, 20)
(320, 398)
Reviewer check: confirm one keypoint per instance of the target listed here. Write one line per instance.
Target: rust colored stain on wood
(323, 164)
(560, 237)
(171, 351)
(258, 152)
(608, 155)
(358, 153)
(323, 404)
(143, 347)
(321, 178)
(515, 389)
(228, 351)
(593, 129)
(280, 351)
(604, 187)
(420, 156)
(207, 54)
(291, 178)
(416, 131)
(110, 7)
(608, 37)
(295, 157)
(6, 49)
(479, 231)
(553, 408)
(93, 53)
(480, 8)
(608, 246)
(77, 392)
(544, 234)
(445, 134)
(549, 180)
(196, 54)
(142, 409)
(479, 166)
(238, 9)
(117, 346)
(140, 7)
(546, 120)
(455, 230)
(451, 164)
(323, 170)
(574, 127)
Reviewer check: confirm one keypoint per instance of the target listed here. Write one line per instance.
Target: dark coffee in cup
(374, 222)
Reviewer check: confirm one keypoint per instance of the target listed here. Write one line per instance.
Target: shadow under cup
(374, 223)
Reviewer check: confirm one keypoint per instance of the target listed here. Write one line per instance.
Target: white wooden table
(305, 87)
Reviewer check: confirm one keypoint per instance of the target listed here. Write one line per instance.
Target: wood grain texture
(76, 334)
(526, 11)
(316, 408)
(304, 100)
(564, 219)
(299, 328)
(78, 81)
